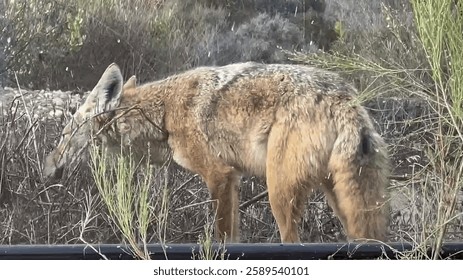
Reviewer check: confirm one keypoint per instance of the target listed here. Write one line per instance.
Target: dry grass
(34, 211)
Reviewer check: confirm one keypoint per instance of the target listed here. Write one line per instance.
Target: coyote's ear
(131, 83)
(106, 94)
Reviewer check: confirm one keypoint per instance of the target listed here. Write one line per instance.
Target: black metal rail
(232, 251)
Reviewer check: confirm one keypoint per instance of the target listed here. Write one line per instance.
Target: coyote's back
(297, 126)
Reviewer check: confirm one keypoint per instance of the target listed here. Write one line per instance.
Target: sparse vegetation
(125, 192)
(402, 55)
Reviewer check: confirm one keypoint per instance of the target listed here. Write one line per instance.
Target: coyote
(296, 126)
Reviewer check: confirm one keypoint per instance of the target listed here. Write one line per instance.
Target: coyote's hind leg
(287, 192)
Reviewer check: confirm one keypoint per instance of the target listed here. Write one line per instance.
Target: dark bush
(62, 44)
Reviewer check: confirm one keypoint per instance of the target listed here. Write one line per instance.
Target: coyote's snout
(293, 125)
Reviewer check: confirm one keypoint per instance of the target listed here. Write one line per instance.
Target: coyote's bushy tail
(359, 166)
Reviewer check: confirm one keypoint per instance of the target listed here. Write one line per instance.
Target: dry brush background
(65, 48)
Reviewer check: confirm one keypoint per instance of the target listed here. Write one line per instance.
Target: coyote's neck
(145, 129)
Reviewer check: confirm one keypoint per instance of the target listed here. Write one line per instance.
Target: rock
(58, 113)
(58, 102)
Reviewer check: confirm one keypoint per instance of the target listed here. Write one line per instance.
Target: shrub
(57, 43)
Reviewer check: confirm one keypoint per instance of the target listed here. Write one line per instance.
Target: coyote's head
(98, 108)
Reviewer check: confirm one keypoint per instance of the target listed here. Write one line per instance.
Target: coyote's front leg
(223, 184)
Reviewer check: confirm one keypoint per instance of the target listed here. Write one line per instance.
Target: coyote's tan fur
(295, 126)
